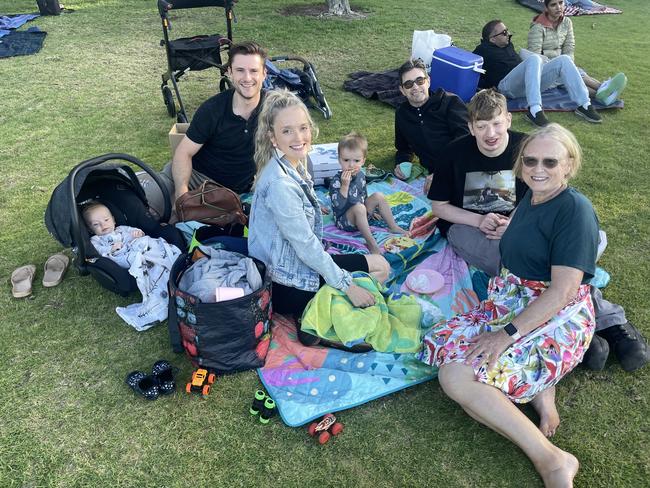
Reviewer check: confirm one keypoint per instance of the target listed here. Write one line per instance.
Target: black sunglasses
(533, 162)
(502, 33)
(420, 80)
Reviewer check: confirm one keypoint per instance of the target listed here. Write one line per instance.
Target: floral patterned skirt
(536, 361)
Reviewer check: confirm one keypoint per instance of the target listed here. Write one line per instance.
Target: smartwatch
(512, 331)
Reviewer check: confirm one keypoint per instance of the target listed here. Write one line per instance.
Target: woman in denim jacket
(286, 226)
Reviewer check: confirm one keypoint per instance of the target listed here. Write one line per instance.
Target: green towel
(391, 325)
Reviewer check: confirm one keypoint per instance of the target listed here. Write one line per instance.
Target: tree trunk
(339, 7)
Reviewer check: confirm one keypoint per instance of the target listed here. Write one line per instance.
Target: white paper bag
(425, 42)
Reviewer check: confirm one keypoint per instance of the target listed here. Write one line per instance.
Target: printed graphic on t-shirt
(489, 191)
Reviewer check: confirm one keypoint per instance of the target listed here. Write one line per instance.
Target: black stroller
(117, 187)
(303, 82)
(192, 53)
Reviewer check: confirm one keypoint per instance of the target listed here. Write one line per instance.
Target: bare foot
(544, 405)
(561, 473)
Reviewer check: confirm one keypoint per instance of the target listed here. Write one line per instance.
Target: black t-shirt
(228, 142)
(470, 180)
(560, 232)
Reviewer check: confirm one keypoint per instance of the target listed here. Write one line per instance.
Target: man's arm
(182, 165)
(491, 224)
(455, 215)
(404, 151)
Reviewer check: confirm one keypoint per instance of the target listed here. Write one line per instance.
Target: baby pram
(191, 53)
(303, 82)
(117, 187)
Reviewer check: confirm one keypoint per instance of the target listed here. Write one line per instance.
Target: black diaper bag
(225, 337)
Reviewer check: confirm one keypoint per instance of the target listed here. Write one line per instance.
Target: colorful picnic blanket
(407, 202)
(574, 7)
(308, 382)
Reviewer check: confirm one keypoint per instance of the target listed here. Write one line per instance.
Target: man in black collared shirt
(426, 122)
(219, 143)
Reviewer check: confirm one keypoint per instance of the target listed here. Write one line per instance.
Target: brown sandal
(55, 268)
(21, 281)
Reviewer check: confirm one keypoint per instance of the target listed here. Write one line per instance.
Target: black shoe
(596, 356)
(143, 384)
(589, 114)
(539, 119)
(164, 373)
(630, 347)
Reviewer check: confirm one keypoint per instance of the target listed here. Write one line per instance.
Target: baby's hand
(137, 233)
(346, 177)
(324, 210)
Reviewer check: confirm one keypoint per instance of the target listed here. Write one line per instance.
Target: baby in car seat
(149, 260)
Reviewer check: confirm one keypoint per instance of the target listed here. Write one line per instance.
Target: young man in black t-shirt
(219, 143)
(474, 190)
(473, 194)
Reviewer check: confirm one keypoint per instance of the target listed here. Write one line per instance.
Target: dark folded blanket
(22, 43)
(377, 86)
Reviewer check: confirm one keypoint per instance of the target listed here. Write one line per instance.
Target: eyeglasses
(548, 163)
(502, 33)
(419, 81)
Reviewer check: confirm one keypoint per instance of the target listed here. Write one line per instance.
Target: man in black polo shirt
(426, 122)
(219, 143)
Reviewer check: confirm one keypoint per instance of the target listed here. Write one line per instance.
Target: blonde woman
(285, 230)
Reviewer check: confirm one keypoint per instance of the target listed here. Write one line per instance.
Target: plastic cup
(406, 168)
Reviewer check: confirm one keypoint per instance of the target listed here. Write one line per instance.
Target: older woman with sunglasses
(538, 319)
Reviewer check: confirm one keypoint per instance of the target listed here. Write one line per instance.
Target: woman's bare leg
(358, 217)
(549, 418)
(377, 201)
(492, 408)
(378, 267)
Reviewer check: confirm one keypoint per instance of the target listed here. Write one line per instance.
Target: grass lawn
(66, 417)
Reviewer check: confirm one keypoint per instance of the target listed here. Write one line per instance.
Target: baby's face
(100, 221)
(351, 160)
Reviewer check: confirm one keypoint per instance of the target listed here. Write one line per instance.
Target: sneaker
(611, 89)
(539, 119)
(596, 356)
(630, 347)
(589, 114)
(145, 385)
(164, 373)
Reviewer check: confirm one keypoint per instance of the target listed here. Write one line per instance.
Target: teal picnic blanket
(391, 325)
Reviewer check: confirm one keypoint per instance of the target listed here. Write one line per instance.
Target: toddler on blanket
(148, 260)
(348, 193)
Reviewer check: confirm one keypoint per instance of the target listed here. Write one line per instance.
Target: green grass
(66, 417)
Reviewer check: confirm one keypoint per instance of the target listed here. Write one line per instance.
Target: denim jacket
(286, 229)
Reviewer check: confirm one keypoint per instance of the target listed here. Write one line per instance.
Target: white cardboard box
(325, 161)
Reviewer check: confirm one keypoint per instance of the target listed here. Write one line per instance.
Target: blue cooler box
(456, 71)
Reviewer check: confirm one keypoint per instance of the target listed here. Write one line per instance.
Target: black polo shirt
(228, 142)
